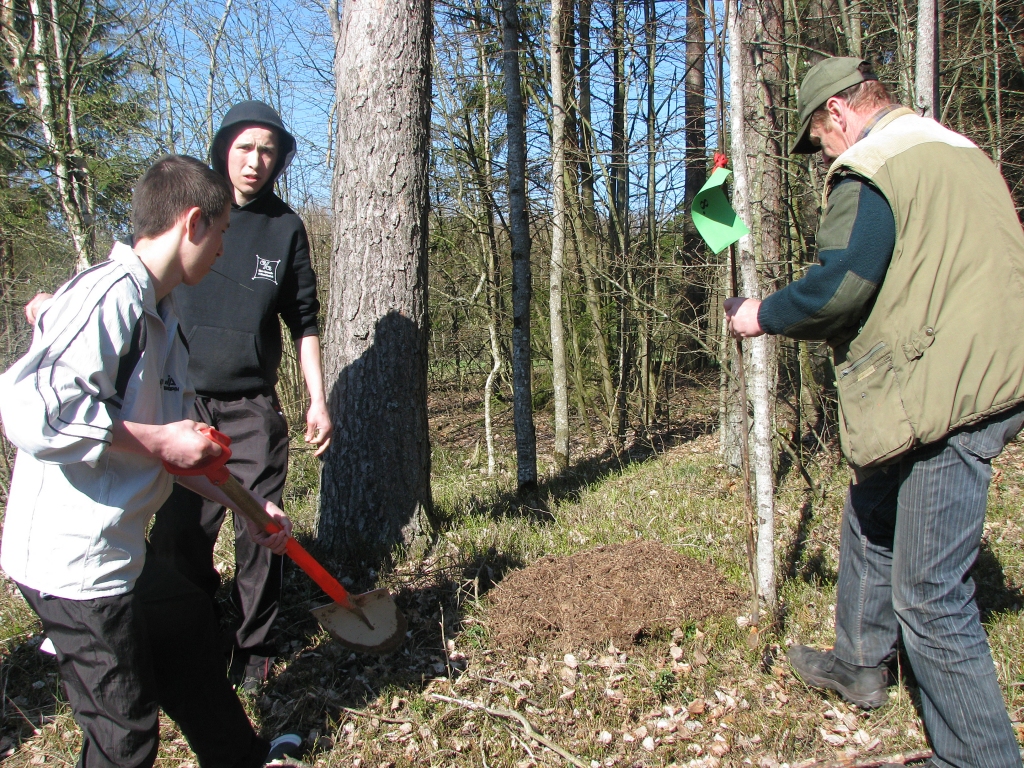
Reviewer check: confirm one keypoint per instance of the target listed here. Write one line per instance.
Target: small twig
(901, 758)
(519, 691)
(35, 730)
(444, 645)
(787, 446)
(499, 681)
(511, 714)
(523, 744)
(364, 713)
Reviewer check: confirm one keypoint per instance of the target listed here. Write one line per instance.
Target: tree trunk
(212, 46)
(618, 221)
(375, 484)
(59, 143)
(590, 235)
(559, 379)
(926, 73)
(650, 271)
(850, 12)
(696, 143)
(519, 231)
(760, 371)
(489, 246)
(769, 71)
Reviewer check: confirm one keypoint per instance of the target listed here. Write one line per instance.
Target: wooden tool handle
(242, 501)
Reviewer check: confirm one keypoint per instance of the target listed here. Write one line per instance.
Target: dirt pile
(617, 593)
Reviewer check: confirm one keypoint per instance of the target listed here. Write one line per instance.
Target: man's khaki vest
(942, 346)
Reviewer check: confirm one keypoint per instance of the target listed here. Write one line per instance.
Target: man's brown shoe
(863, 686)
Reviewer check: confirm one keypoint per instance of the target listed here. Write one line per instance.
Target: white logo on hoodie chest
(266, 269)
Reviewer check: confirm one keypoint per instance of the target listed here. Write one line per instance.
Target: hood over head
(252, 113)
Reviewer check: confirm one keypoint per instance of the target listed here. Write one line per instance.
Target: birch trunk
(489, 248)
(769, 82)
(926, 72)
(849, 11)
(375, 483)
(519, 230)
(58, 143)
(559, 379)
(760, 373)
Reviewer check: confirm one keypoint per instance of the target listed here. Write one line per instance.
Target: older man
(921, 274)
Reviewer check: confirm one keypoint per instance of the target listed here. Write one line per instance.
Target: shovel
(370, 622)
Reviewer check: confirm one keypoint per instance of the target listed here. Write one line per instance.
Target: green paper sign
(714, 218)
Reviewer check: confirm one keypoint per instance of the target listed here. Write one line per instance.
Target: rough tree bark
(519, 229)
(696, 141)
(559, 379)
(375, 484)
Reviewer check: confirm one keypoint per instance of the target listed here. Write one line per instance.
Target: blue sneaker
(283, 747)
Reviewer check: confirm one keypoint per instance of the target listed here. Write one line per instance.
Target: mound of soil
(618, 593)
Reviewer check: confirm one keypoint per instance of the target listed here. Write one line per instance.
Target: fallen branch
(511, 714)
(901, 758)
(364, 713)
(35, 730)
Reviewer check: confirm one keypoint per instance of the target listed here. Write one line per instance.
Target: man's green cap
(823, 81)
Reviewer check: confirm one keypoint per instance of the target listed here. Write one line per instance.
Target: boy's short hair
(173, 185)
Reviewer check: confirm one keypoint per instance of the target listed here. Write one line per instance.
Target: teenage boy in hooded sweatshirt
(232, 323)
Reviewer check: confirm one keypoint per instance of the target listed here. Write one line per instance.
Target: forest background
(624, 299)
(92, 92)
(627, 337)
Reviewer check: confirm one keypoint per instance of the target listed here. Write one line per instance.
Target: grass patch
(695, 692)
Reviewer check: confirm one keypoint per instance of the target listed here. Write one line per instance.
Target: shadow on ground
(319, 681)
(569, 484)
(993, 592)
(797, 563)
(29, 686)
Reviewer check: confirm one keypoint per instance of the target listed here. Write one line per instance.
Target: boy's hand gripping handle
(242, 501)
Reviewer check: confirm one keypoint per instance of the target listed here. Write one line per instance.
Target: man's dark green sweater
(855, 244)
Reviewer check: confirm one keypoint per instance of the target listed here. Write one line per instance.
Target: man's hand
(179, 443)
(318, 420)
(741, 315)
(318, 427)
(183, 445)
(275, 542)
(35, 306)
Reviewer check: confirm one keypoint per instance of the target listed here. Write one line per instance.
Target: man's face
(824, 135)
(205, 245)
(251, 159)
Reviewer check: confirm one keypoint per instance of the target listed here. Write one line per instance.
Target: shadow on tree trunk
(375, 482)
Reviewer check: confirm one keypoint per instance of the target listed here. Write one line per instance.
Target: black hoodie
(231, 317)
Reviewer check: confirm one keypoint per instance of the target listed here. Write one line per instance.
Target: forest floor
(604, 625)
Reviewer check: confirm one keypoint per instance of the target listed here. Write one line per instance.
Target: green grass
(745, 703)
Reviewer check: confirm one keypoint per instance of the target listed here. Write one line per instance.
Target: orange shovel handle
(242, 501)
